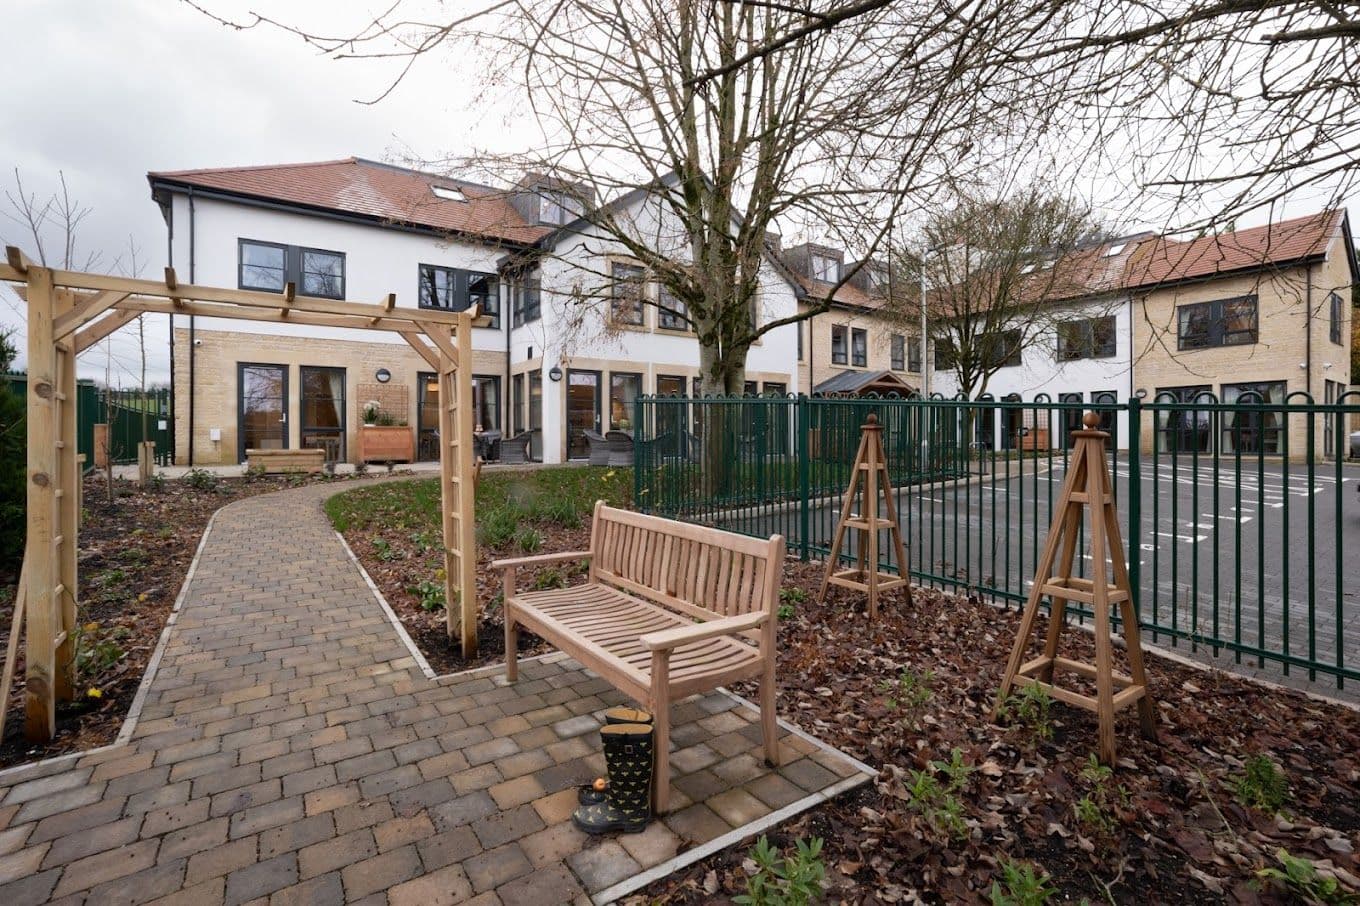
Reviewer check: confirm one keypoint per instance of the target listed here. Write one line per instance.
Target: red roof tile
(368, 189)
(1165, 260)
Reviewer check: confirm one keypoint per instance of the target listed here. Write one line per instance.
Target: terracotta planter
(387, 443)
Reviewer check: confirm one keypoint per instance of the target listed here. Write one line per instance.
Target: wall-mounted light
(555, 373)
(382, 375)
(1142, 393)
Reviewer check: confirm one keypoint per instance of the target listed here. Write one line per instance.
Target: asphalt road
(1221, 554)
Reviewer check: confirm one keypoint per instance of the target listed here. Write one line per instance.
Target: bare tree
(999, 265)
(49, 224)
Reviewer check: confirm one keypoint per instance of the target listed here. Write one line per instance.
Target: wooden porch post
(41, 573)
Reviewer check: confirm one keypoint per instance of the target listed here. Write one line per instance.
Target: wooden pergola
(68, 311)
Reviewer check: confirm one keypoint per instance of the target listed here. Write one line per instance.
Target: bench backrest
(703, 572)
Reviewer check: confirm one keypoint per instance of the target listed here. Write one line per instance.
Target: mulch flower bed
(134, 554)
(1242, 774)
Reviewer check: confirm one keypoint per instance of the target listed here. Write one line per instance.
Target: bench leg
(661, 733)
(511, 628)
(769, 726)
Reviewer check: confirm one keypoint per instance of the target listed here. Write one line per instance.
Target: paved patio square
(289, 746)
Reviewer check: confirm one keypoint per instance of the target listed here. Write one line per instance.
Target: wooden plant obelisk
(1087, 486)
(868, 482)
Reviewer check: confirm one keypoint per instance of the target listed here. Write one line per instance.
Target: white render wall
(571, 332)
(378, 261)
(1039, 371)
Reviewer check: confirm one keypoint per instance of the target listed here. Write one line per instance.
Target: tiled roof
(855, 381)
(1165, 260)
(368, 189)
(848, 294)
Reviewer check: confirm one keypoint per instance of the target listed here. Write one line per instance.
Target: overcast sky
(105, 92)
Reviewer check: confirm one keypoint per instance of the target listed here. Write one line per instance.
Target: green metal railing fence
(122, 409)
(1236, 516)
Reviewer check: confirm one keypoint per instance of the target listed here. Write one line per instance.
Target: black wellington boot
(595, 791)
(628, 800)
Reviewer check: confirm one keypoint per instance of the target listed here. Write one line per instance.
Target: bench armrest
(683, 635)
(514, 562)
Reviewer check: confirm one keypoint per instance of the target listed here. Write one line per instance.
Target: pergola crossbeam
(87, 307)
(103, 327)
(422, 349)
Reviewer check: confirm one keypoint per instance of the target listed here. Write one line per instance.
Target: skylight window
(1114, 250)
(448, 193)
(1028, 268)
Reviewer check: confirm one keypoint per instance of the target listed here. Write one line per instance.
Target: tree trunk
(723, 376)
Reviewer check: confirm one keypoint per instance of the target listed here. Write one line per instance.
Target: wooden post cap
(871, 421)
(1091, 421)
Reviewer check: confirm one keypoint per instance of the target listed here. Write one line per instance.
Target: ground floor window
(1071, 418)
(583, 410)
(670, 417)
(428, 417)
(624, 389)
(1331, 423)
(1105, 398)
(517, 404)
(536, 415)
(1184, 430)
(323, 410)
(486, 402)
(1253, 431)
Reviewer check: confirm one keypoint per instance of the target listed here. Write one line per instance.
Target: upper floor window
(1334, 318)
(625, 304)
(455, 289)
(944, 354)
(859, 347)
(1002, 348)
(898, 352)
(1222, 322)
(838, 344)
(1088, 338)
(799, 328)
(914, 355)
(528, 300)
(671, 313)
(826, 268)
(269, 266)
(557, 208)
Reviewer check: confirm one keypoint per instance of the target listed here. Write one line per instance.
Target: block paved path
(292, 750)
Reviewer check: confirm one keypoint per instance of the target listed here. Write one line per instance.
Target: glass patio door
(262, 408)
(323, 411)
(583, 411)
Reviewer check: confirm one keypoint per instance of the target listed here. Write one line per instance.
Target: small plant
(1031, 706)
(1303, 882)
(429, 594)
(383, 548)
(253, 472)
(1262, 785)
(98, 652)
(528, 540)
(361, 468)
(422, 542)
(936, 802)
(499, 527)
(156, 483)
(165, 532)
(1021, 884)
(1095, 809)
(789, 598)
(371, 412)
(1090, 813)
(780, 880)
(910, 692)
(200, 480)
(549, 578)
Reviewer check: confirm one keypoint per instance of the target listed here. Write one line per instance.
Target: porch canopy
(68, 311)
(865, 383)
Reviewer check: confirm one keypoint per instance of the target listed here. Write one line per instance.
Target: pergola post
(457, 482)
(40, 551)
(68, 522)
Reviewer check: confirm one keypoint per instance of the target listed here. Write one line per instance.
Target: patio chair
(620, 445)
(599, 448)
(515, 450)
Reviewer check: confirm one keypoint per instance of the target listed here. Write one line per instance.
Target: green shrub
(1262, 786)
(780, 880)
(200, 480)
(430, 594)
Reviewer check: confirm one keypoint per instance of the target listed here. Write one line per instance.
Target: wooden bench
(307, 459)
(668, 610)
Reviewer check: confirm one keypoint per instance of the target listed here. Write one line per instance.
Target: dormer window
(826, 268)
(557, 208)
(448, 193)
(1114, 250)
